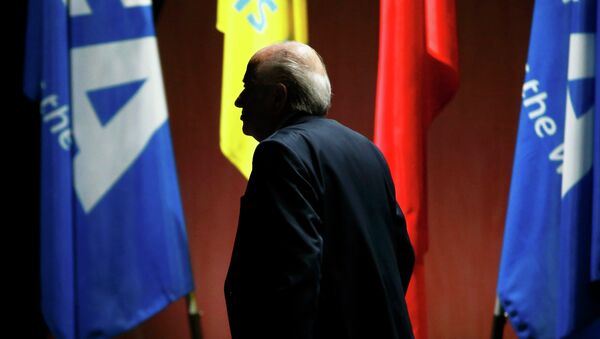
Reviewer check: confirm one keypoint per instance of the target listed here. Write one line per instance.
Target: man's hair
(302, 71)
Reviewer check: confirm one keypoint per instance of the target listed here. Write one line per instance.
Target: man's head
(282, 80)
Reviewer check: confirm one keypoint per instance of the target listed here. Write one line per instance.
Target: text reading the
(57, 116)
(534, 104)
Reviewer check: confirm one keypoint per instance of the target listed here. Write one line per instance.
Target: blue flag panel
(549, 273)
(114, 246)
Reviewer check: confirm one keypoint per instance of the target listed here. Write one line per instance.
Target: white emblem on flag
(578, 129)
(82, 7)
(106, 151)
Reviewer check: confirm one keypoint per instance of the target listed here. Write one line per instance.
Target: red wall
(469, 154)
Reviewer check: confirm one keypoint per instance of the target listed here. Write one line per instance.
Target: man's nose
(238, 101)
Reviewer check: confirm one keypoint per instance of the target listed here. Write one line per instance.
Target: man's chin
(247, 131)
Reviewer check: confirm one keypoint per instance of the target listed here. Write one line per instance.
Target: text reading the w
(259, 24)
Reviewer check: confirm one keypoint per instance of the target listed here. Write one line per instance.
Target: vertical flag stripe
(418, 74)
(595, 240)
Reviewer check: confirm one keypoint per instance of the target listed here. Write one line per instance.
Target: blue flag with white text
(549, 279)
(113, 241)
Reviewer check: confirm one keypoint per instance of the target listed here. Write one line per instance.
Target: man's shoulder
(323, 137)
(315, 129)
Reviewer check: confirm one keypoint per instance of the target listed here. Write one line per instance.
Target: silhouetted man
(321, 249)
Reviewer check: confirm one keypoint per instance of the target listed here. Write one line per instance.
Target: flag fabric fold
(417, 76)
(249, 25)
(113, 241)
(548, 281)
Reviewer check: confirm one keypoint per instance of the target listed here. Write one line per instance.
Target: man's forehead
(250, 75)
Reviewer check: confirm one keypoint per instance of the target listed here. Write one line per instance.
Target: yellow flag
(249, 25)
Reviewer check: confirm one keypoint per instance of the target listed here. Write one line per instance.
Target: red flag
(418, 75)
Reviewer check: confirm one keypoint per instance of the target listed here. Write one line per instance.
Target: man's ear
(280, 96)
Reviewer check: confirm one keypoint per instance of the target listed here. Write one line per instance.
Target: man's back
(322, 249)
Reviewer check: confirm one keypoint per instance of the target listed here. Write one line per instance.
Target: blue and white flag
(113, 241)
(549, 276)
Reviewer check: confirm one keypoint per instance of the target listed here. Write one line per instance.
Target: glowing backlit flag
(249, 25)
(418, 75)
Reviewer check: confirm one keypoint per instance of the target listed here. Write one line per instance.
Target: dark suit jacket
(321, 249)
